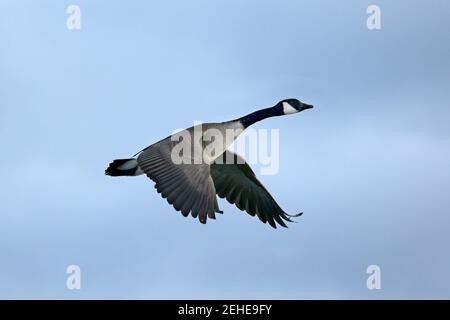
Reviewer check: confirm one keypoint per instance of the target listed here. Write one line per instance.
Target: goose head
(284, 107)
(289, 106)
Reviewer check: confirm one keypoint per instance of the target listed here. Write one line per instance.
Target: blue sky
(368, 166)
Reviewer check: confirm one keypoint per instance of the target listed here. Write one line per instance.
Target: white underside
(131, 165)
(128, 165)
(139, 171)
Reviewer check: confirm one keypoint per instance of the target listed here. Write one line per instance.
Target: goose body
(190, 168)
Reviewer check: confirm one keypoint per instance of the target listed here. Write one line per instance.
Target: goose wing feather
(188, 187)
(237, 183)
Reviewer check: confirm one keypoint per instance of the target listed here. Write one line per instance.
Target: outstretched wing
(188, 187)
(237, 182)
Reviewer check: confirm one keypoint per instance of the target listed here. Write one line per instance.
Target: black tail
(122, 167)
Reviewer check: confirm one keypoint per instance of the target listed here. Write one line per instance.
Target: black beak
(306, 106)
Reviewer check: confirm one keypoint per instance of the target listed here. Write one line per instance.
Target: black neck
(262, 114)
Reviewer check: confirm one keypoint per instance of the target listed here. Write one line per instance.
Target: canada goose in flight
(191, 185)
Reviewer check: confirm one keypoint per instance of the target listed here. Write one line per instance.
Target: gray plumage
(192, 187)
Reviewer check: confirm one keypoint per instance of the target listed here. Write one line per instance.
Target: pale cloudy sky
(369, 165)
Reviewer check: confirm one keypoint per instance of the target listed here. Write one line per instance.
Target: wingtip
(287, 217)
(294, 215)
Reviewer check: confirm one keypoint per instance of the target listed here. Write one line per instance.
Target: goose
(192, 182)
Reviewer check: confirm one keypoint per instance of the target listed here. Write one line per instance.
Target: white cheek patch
(288, 109)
